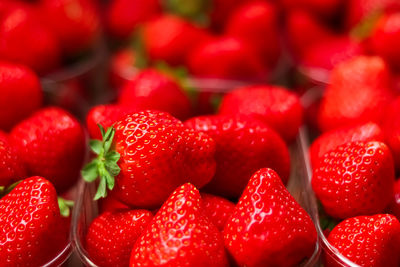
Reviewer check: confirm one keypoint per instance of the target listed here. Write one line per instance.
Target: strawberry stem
(65, 206)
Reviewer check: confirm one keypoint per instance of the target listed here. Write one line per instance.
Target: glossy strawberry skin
(157, 154)
(330, 140)
(11, 167)
(268, 225)
(243, 146)
(274, 105)
(367, 240)
(217, 209)
(391, 127)
(354, 179)
(32, 229)
(111, 236)
(180, 235)
(151, 89)
(51, 143)
(21, 94)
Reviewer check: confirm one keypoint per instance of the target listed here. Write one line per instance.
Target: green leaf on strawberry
(65, 206)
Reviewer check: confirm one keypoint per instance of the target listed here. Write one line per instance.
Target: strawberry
(21, 94)
(220, 11)
(20, 26)
(154, 153)
(11, 167)
(391, 128)
(274, 105)
(111, 236)
(51, 143)
(226, 57)
(180, 235)
(243, 145)
(395, 205)
(330, 140)
(268, 227)
(122, 68)
(257, 23)
(325, 9)
(217, 209)
(359, 90)
(124, 16)
(170, 38)
(105, 115)
(151, 89)
(367, 241)
(112, 204)
(32, 230)
(354, 179)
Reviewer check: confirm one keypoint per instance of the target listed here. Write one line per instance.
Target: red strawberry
(32, 230)
(330, 140)
(391, 128)
(111, 236)
(20, 26)
(154, 153)
(359, 90)
(112, 204)
(122, 68)
(180, 235)
(151, 89)
(21, 94)
(221, 10)
(11, 167)
(170, 38)
(51, 143)
(395, 205)
(367, 241)
(268, 227)
(257, 23)
(217, 209)
(324, 9)
(124, 16)
(244, 145)
(226, 58)
(354, 179)
(105, 115)
(276, 106)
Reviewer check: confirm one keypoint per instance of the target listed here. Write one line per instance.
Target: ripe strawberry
(325, 9)
(11, 167)
(330, 140)
(154, 153)
(359, 90)
(111, 236)
(112, 204)
(276, 106)
(226, 58)
(170, 38)
(367, 241)
(391, 128)
(180, 235)
(257, 23)
(32, 230)
(268, 227)
(151, 89)
(217, 209)
(355, 179)
(124, 16)
(395, 205)
(243, 146)
(20, 26)
(122, 68)
(21, 94)
(51, 143)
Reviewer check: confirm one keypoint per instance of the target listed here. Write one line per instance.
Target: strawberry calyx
(104, 166)
(65, 206)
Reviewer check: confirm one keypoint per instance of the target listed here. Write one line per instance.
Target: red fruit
(268, 227)
(355, 179)
(51, 143)
(111, 236)
(32, 230)
(124, 16)
(395, 205)
(367, 240)
(330, 140)
(221, 10)
(105, 115)
(24, 39)
(169, 38)
(359, 90)
(151, 89)
(391, 127)
(257, 23)
(244, 145)
(11, 167)
(112, 204)
(276, 106)
(323, 9)
(180, 235)
(154, 154)
(122, 68)
(217, 209)
(21, 94)
(226, 58)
